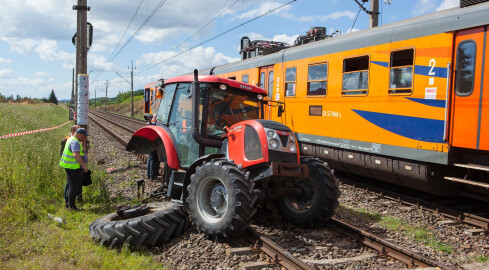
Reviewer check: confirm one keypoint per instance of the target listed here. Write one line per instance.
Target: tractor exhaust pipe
(195, 116)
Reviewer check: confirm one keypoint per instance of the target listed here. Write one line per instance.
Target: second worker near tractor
(75, 165)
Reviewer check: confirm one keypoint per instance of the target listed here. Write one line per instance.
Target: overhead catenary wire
(218, 35)
(195, 33)
(162, 2)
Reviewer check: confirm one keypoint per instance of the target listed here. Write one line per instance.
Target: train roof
(449, 20)
(214, 79)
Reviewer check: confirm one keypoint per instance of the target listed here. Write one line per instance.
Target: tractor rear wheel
(221, 200)
(319, 199)
(163, 221)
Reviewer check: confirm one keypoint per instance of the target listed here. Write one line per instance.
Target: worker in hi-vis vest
(72, 161)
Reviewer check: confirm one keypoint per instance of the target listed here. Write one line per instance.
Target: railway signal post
(81, 59)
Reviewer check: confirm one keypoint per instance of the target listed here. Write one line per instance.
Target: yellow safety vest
(68, 160)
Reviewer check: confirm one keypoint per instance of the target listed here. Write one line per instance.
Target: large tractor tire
(221, 200)
(163, 221)
(319, 201)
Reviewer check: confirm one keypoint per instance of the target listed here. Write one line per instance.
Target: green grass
(31, 186)
(417, 233)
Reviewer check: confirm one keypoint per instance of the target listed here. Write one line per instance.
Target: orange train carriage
(150, 99)
(406, 103)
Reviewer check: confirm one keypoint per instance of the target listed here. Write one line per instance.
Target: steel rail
(121, 140)
(137, 121)
(278, 254)
(385, 247)
(115, 123)
(459, 216)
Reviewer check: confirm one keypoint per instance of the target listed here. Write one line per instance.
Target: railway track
(111, 123)
(480, 219)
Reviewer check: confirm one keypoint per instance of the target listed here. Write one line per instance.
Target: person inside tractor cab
(219, 113)
(228, 108)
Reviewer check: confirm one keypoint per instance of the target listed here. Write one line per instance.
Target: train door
(470, 104)
(266, 82)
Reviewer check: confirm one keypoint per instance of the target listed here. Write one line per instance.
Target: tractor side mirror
(159, 92)
(280, 110)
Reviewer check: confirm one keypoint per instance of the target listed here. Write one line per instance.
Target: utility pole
(106, 87)
(81, 62)
(95, 97)
(132, 68)
(374, 13)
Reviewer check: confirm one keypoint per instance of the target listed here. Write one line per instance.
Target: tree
(52, 97)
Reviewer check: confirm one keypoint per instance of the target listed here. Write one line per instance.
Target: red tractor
(221, 157)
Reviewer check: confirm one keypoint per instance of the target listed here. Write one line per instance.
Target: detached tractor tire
(221, 200)
(319, 201)
(165, 220)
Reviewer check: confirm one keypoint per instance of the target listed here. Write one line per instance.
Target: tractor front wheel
(221, 200)
(319, 199)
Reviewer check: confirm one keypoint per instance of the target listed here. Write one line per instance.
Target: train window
(355, 76)
(270, 83)
(244, 79)
(262, 80)
(401, 72)
(317, 79)
(290, 75)
(465, 68)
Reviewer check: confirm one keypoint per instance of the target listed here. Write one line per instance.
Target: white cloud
(282, 38)
(153, 35)
(42, 74)
(48, 51)
(199, 58)
(5, 72)
(448, 4)
(423, 7)
(21, 46)
(5, 60)
(322, 18)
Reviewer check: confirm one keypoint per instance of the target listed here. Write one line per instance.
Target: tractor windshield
(228, 107)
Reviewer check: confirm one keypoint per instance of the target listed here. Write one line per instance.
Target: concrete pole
(374, 15)
(132, 68)
(106, 87)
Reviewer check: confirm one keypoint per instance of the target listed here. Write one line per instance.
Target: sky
(162, 38)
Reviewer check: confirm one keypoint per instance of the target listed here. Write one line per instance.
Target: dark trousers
(73, 186)
(152, 165)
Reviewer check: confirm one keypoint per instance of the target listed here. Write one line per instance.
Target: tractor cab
(221, 157)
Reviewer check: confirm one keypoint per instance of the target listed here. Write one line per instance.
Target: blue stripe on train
(384, 64)
(430, 102)
(436, 72)
(416, 128)
(440, 72)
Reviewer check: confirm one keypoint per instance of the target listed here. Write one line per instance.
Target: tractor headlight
(292, 147)
(271, 134)
(273, 143)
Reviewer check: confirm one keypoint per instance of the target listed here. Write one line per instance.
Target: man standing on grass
(74, 165)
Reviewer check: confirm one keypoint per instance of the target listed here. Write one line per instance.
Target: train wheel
(163, 221)
(319, 201)
(221, 200)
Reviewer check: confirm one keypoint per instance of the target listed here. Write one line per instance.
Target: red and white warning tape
(74, 113)
(32, 131)
(110, 170)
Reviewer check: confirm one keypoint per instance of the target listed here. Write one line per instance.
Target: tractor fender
(150, 138)
(191, 170)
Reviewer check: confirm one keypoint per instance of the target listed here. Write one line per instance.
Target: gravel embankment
(194, 251)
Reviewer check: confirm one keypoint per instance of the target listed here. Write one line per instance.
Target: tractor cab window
(228, 107)
(180, 124)
(166, 101)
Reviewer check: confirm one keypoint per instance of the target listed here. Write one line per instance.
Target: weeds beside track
(32, 185)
